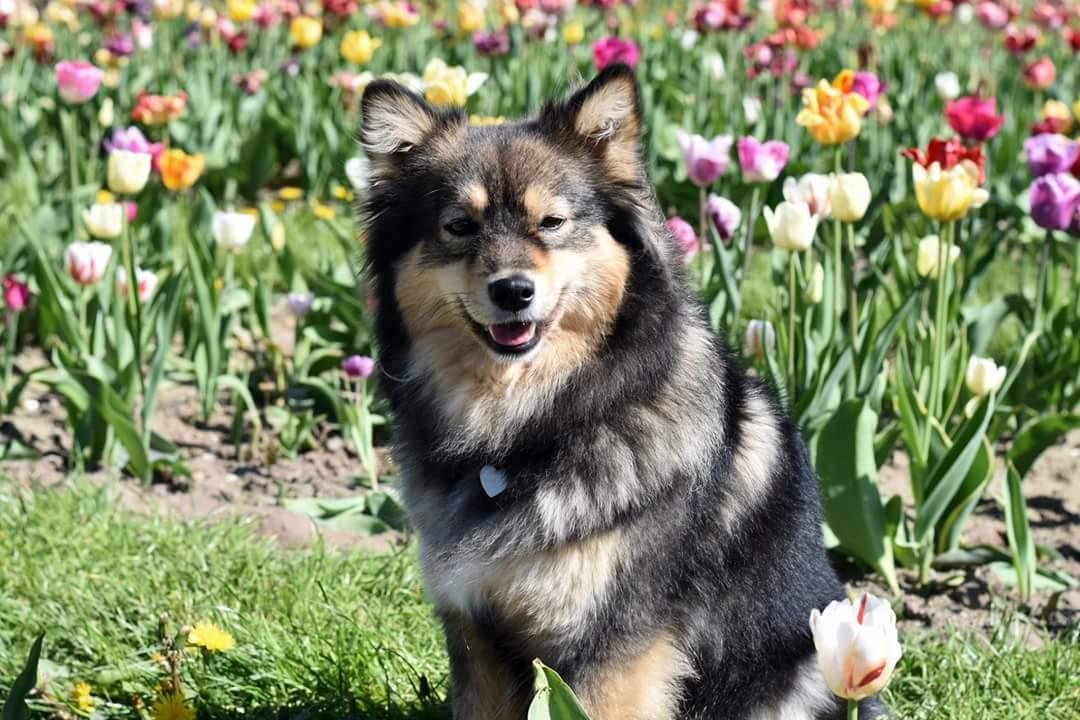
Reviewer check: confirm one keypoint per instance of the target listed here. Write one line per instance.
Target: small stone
(231, 478)
(31, 405)
(335, 444)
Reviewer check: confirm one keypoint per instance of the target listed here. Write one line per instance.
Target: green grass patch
(327, 633)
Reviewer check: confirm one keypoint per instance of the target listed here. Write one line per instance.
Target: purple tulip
(706, 160)
(1050, 153)
(491, 44)
(869, 86)
(725, 216)
(684, 235)
(1055, 201)
(761, 162)
(358, 366)
(120, 44)
(132, 140)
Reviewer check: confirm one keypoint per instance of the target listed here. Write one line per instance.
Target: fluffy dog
(594, 478)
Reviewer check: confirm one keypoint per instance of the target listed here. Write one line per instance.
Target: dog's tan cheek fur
(645, 687)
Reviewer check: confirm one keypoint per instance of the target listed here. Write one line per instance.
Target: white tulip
(983, 376)
(688, 39)
(929, 249)
(849, 194)
(811, 189)
(947, 85)
(85, 262)
(146, 283)
(751, 107)
(964, 14)
(714, 66)
(104, 220)
(857, 645)
(232, 230)
(815, 284)
(128, 171)
(760, 339)
(791, 226)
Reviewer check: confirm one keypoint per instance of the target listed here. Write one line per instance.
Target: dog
(594, 479)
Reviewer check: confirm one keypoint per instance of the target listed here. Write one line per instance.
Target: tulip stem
(853, 306)
(838, 274)
(134, 319)
(1040, 284)
(750, 221)
(791, 325)
(703, 232)
(67, 126)
(853, 709)
(11, 324)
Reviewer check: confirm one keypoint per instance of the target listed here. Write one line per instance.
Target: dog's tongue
(512, 334)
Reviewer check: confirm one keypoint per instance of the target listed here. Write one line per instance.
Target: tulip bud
(358, 366)
(791, 226)
(983, 376)
(128, 171)
(849, 195)
(146, 283)
(277, 237)
(299, 304)
(106, 115)
(713, 64)
(706, 160)
(104, 220)
(725, 216)
(929, 250)
(811, 189)
(815, 285)
(85, 262)
(759, 340)
(16, 294)
(232, 230)
(751, 107)
(685, 237)
(857, 645)
(761, 162)
(947, 85)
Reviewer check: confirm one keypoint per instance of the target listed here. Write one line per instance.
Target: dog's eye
(462, 226)
(552, 222)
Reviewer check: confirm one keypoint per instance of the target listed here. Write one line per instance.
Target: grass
(324, 633)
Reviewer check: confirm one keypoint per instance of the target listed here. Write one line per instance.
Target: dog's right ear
(394, 120)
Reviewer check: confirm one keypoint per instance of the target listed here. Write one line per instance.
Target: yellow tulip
(447, 86)
(1058, 111)
(470, 18)
(948, 194)
(357, 47)
(399, 15)
(830, 115)
(305, 31)
(179, 170)
(240, 10)
(509, 13)
(880, 6)
(573, 33)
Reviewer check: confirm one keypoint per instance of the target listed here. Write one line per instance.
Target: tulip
(85, 262)
(1054, 201)
(992, 15)
(751, 108)
(948, 194)
(983, 376)
(947, 85)
(398, 15)
(791, 226)
(725, 216)
(128, 171)
(614, 50)
(232, 230)
(812, 190)
(240, 10)
(947, 154)
(133, 141)
(179, 170)
(449, 86)
(706, 160)
(815, 284)
(470, 17)
(357, 47)
(761, 162)
(857, 645)
(358, 366)
(1040, 74)
(104, 220)
(16, 294)
(973, 118)
(1050, 153)
(714, 67)
(1019, 40)
(759, 339)
(77, 80)
(491, 44)
(685, 237)
(573, 33)
(849, 195)
(830, 115)
(869, 86)
(158, 109)
(146, 283)
(929, 250)
(1059, 115)
(299, 304)
(305, 31)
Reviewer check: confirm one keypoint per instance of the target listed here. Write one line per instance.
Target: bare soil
(229, 481)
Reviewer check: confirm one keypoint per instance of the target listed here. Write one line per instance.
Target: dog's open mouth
(513, 338)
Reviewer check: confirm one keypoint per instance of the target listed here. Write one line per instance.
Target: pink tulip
(615, 50)
(992, 15)
(761, 162)
(725, 216)
(1040, 74)
(77, 80)
(146, 283)
(706, 160)
(869, 86)
(684, 235)
(85, 262)
(16, 294)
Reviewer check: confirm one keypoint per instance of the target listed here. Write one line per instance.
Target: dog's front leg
(483, 682)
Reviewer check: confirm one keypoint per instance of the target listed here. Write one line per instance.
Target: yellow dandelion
(81, 695)
(290, 193)
(323, 212)
(173, 708)
(157, 658)
(208, 635)
(253, 212)
(277, 206)
(341, 192)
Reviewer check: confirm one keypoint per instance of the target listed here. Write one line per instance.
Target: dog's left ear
(605, 115)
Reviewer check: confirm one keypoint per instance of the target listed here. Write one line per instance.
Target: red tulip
(16, 294)
(1020, 40)
(974, 118)
(1040, 74)
(1073, 38)
(948, 153)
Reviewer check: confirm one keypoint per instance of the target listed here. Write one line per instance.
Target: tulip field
(878, 203)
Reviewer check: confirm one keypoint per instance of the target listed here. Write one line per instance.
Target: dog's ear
(394, 120)
(605, 115)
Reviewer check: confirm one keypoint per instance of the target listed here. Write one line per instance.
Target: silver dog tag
(493, 481)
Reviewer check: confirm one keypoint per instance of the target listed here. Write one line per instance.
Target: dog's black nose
(512, 293)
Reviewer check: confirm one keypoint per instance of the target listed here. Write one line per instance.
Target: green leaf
(1019, 533)
(948, 531)
(15, 705)
(117, 415)
(849, 486)
(870, 364)
(1036, 436)
(553, 698)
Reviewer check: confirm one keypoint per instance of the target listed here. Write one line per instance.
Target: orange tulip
(179, 171)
